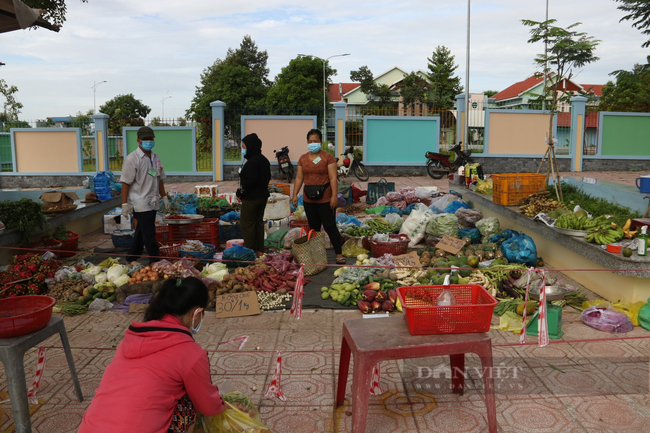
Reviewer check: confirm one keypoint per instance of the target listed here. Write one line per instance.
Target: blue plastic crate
(206, 253)
(230, 231)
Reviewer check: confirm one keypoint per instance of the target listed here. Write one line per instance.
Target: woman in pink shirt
(160, 377)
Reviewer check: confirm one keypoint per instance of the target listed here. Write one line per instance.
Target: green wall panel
(400, 140)
(625, 135)
(173, 146)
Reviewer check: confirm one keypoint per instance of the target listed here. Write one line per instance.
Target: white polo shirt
(144, 188)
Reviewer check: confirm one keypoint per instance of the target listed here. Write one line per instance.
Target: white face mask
(192, 328)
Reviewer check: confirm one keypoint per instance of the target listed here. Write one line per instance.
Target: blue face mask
(148, 145)
(243, 152)
(193, 329)
(313, 147)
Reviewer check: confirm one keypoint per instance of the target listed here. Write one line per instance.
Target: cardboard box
(58, 200)
(113, 220)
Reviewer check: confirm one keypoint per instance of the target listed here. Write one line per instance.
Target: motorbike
(285, 167)
(438, 164)
(350, 164)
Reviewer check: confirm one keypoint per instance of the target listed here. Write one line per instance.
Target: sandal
(340, 261)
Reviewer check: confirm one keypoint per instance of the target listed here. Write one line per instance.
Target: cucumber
(111, 299)
(97, 295)
(87, 299)
(92, 291)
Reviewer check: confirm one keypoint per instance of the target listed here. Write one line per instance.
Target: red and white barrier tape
(40, 366)
(542, 323)
(275, 388)
(242, 341)
(296, 306)
(375, 387)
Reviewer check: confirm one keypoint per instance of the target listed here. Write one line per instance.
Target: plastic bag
(290, 237)
(422, 192)
(595, 302)
(351, 248)
(408, 209)
(342, 200)
(441, 203)
(234, 420)
(484, 186)
(100, 304)
(455, 205)
(394, 220)
(416, 224)
(504, 236)
(375, 210)
(468, 217)
(294, 208)
(607, 319)
(299, 214)
(443, 224)
(391, 210)
(230, 216)
(630, 309)
(510, 322)
(473, 234)
(234, 254)
(644, 316)
(488, 227)
(520, 249)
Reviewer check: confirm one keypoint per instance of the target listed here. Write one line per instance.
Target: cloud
(150, 48)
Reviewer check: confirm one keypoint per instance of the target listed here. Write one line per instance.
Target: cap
(145, 132)
(91, 197)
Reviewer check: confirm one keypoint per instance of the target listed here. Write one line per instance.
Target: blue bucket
(643, 183)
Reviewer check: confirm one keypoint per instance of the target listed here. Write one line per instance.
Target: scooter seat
(430, 154)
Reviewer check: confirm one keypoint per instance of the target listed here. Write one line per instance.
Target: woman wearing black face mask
(254, 177)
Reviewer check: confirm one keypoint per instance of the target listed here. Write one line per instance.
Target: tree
(54, 10)
(379, 94)
(567, 50)
(124, 110)
(239, 80)
(490, 93)
(11, 106)
(300, 84)
(414, 89)
(639, 11)
(444, 85)
(630, 92)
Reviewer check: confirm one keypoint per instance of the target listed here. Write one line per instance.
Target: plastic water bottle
(446, 298)
(102, 186)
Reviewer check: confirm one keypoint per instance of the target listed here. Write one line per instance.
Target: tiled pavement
(596, 384)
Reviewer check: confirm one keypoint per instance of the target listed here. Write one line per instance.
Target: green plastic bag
(276, 239)
(644, 316)
(375, 210)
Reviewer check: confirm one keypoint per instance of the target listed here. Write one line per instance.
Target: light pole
(95, 85)
(325, 86)
(162, 119)
(466, 129)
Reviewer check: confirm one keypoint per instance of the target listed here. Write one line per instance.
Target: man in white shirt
(142, 184)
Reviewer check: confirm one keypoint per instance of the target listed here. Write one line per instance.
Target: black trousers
(322, 214)
(145, 236)
(252, 223)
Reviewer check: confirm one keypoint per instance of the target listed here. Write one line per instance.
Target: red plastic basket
(207, 231)
(44, 245)
(162, 233)
(472, 312)
(69, 246)
(169, 249)
(299, 224)
(394, 248)
(23, 315)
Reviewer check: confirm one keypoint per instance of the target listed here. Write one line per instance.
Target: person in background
(160, 377)
(317, 170)
(142, 185)
(254, 179)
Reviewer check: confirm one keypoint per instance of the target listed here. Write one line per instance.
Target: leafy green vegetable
(24, 216)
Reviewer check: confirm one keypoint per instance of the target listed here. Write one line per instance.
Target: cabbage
(101, 278)
(121, 280)
(116, 271)
(218, 275)
(488, 227)
(212, 268)
(443, 224)
(92, 270)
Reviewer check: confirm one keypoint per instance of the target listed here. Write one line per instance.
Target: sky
(158, 49)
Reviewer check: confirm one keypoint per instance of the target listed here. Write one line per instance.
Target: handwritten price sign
(450, 244)
(410, 260)
(237, 304)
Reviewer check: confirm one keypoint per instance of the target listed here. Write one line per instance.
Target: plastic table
(12, 354)
(375, 340)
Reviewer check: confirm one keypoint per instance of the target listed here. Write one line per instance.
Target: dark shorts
(184, 416)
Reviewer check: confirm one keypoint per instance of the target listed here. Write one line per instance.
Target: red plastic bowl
(23, 315)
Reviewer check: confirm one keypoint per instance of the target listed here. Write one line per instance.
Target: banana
(630, 235)
(627, 225)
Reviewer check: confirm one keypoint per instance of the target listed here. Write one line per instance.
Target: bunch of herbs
(24, 216)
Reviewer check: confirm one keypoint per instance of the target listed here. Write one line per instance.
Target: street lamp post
(95, 85)
(325, 87)
(162, 119)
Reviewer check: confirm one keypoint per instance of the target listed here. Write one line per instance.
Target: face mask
(313, 147)
(243, 152)
(148, 145)
(193, 329)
